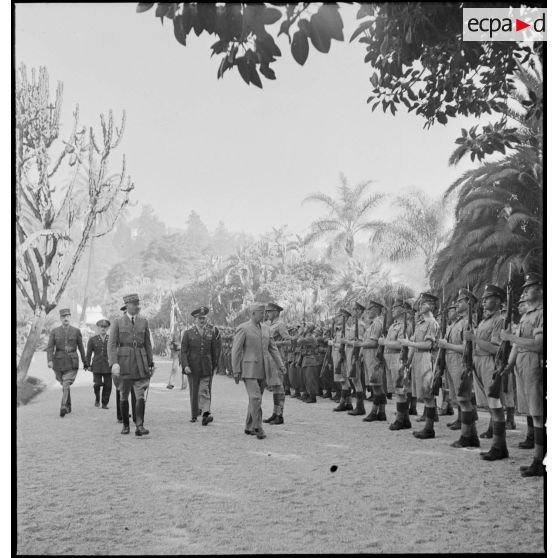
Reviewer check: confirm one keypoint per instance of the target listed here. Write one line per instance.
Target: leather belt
(135, 345)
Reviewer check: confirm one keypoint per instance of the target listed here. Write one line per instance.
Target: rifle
(403, 356)
(342, 354)
(466, 383)
(380, 352)
(328, 360)
(501, 370)
(440, 366)
(355, 356)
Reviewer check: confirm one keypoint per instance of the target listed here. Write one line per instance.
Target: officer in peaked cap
(97, 347)
(199, 357)
(64, 342)
(131, 360)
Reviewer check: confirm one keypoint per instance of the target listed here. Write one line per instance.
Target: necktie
(133, 320)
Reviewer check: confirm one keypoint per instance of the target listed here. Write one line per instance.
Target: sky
(229, 151)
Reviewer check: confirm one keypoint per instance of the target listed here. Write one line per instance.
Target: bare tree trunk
(30, 345)
(83, 316)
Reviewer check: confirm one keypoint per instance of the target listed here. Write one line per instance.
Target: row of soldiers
(462, 353)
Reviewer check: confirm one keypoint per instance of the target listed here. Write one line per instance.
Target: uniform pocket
(123, 351)
(75, 361)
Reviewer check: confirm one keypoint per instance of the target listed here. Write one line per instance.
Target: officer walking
(131, 360)
(253, 347)
(199, 356)
(174, 347)
(63, 343)
(97, 348)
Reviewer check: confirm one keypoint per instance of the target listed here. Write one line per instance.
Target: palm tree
(421, 228)
(347, 215)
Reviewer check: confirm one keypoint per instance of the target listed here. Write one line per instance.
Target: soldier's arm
(111, 345)
(147, 345)
(237, 348)
(90, 347)
(184, 348)
(81, 349)
(216, 347)
(276, 355)
(50, 348)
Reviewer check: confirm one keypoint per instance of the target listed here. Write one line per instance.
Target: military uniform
(282, 339)
(97, 347)
(201, 347)
(64, 342)
(130, 348)
(310, 366)
(341, 368)
(326, 370)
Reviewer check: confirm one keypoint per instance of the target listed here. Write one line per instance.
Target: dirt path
(187, 489)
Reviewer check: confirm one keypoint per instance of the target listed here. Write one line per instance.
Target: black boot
(343, 402)
(272, 417)
(310, 399)
(69, 403)
(510, 418)
(467, 442)
(412, 404)
(125, 414)
(140, 411)
(206, 419)
(494, 453)
(278, 420)
(97, 390)
(337, 396)
(359, 409)
(536, 469)
(328, 394)
(529, 442)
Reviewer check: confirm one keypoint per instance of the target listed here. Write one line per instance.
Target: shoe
(424, 434)
(455, 425)
(194, 419)
(260, 434)
(493, 454)
(466, 442)
(342, 407)
(328, 394)
(63, 412)
(141, 431)
(486, 435)
(372, 416)
(420, 419)
(528, 443)
(170, 386)
(288, 391)
(447, 411)
(297, 395)
(310, 399)
(400, 425)
(125, 430)
(271, 418)
(206, 419)
(389, 395)
(510, 425)
(97, 404)
(119, 421)
(382, 416)
(277, 420)
(249, 432)
(536, 469)
(104, 407)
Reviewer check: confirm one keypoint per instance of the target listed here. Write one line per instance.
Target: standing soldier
(399, 329)
(310, 364)
(63, 343)
(174, 349)
(280, 335)
(97, 348)
(353, 364)
(527, 354)
(326, 369)
(374, 362)
(340, 364)
(253, 349)
(131, 360)
(422, 343)
(201, 346)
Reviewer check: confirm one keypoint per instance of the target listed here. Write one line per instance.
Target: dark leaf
(267, 71)
(375, 105)
(179, 33)
(271, 15)
(254, 76)
(360, 29)
(318, 35)
(364, 10)
(243, 69)
(374, 79)
(384, 46)
(392, 107)
(330, 21)
(299, 47)
(441, 117)
(143, 7)
(284, 28)
(162, 8)
(207, 15)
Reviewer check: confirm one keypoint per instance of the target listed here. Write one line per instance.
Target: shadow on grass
(30, 388)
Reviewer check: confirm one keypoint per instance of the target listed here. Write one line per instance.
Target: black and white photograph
(298, 254)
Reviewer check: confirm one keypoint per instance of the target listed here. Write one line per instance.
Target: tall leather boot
(97, 390)
(125, 414)
(359, 409)
(342, 402)
(69, 402)
(140, 411)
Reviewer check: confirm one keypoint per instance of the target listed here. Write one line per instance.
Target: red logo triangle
(520, 25)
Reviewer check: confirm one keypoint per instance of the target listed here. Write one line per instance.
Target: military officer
(447, 402)
(350, 343)
(253, 349)
(310, 363)
(97, 348)
(421, 344)
(199, 356)
(527, 353)
(282, 339)
(63, 343)
(131, 360)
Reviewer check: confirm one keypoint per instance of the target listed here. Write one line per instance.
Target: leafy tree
(196, 232)
(57, 217)
(348, 215)
(420, 228)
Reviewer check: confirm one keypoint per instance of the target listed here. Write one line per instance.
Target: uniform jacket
(98, 348)
(130, 346)
(201, 352)
(309, 349)
(252, 352)
(63, 344)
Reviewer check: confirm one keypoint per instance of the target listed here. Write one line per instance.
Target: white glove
(116, 369)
